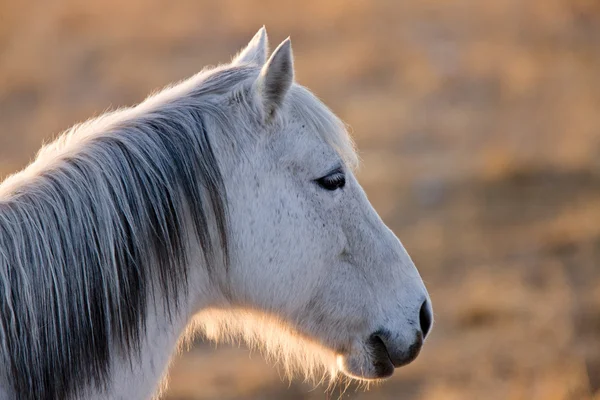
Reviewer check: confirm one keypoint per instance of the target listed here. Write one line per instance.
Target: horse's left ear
(276, 77)
(256, 51)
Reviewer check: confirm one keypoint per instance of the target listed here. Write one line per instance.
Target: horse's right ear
(256, 51)
(276, 78)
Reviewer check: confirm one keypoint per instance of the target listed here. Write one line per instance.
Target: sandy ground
(479, 129)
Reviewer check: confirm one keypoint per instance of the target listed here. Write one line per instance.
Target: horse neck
(142, 376)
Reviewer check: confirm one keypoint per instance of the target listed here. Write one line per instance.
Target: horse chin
(366, 367)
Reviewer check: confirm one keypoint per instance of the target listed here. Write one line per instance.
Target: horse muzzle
(383, 351)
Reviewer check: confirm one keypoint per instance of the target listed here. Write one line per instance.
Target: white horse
(226, 203)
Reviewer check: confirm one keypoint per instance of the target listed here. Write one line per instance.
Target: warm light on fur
(297, 355)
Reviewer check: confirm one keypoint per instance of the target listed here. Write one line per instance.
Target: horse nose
(425, 318)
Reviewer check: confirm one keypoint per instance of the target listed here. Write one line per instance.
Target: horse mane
(95, 232)
(96, 226)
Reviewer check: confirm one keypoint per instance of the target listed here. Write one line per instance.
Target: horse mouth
(383, 366)
(372, 362)
(379, 358)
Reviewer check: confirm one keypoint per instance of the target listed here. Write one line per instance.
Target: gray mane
(89, 244)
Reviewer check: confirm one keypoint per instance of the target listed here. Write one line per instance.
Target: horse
(226, 204)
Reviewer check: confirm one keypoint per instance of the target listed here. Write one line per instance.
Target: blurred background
(478, 123)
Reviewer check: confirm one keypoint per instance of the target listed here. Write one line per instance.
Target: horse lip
(412, 353)
(382, 362)
(384, 356)
(380, 342)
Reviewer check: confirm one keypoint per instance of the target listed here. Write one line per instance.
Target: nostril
(425, 318)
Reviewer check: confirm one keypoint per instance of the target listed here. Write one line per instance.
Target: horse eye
(332, 181)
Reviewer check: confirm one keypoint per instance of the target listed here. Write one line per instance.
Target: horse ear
(256, 51)
(276, 77)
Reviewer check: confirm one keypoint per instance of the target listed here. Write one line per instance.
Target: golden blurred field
(479, 128)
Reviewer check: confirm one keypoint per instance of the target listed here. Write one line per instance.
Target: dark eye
(332, 181)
